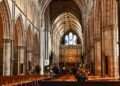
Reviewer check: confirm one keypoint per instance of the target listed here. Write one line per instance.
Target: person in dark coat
(81, 75)
(55, 69)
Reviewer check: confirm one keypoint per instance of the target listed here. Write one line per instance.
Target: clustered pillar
(7, 57)
(29, 60)
(21, 65)
(104, 29)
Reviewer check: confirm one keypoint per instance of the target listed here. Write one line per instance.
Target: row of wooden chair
(6, 80)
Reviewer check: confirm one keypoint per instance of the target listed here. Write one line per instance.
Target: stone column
(46, 48)
(21, 65)
(98, 38)
(108, 49)
(7, 57)
(42, 52)
(116, 40)
(98, 58)
(29, 60)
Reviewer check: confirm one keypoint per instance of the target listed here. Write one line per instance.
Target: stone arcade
(43, 33)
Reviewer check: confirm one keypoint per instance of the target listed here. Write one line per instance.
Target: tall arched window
(66, 40)
(70, 39)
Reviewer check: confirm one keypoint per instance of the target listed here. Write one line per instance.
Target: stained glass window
(70, 39)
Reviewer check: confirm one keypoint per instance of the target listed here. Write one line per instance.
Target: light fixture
(1, 0)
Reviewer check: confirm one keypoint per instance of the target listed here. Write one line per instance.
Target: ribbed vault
(82, 4)
(61, 16)
(64, 23)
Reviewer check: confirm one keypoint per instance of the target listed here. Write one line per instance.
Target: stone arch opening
(63, 24)
(18, 45)
(29, 42)
(36, 55)
(71, 53)
(5, 41)
(49, 14)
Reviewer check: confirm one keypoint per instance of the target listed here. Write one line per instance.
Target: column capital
(7, 40)
(21, 47)
(29, 50)
(108, 27)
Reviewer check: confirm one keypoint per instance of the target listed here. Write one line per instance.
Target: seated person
(55, 70)
(81, 75)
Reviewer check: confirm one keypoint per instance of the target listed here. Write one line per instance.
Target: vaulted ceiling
(66, 15)
(84, 5)
(79, 8)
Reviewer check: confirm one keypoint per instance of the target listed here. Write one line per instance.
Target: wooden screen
(70, 54)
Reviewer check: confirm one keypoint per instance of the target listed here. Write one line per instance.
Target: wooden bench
(9, 80)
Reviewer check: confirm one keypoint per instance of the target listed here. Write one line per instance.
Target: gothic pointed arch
(18, 43)
(29, 48)
(4, 31)
(36, 49)
(29, 36)
(18, 31)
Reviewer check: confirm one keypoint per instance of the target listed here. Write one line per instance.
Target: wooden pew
(10, 80)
